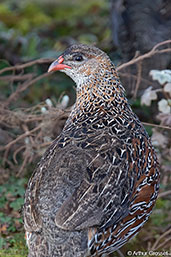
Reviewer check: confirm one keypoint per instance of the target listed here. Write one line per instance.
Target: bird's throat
(105, 94)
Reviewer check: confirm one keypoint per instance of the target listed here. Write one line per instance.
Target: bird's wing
(103, 194)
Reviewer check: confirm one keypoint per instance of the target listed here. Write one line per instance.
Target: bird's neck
(101, 91)
(101, 95)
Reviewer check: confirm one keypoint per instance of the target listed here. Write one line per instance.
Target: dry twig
(17, 77)
(147, 55)
(26, 65)
(156, 125)
(156, 245)
(23, 87)
(27, 133)
(139, 67)
(164, 194)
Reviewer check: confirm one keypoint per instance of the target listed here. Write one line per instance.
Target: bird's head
(81, 63)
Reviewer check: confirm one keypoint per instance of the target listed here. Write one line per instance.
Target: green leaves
(11, 201)
(16, 205)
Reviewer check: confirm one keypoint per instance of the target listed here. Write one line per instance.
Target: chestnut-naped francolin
(97, 183)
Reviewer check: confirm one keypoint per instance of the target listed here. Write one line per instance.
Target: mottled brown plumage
(97, 183)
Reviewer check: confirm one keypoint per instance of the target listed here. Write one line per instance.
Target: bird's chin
(65, 70)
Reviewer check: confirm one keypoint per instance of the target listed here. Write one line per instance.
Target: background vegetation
(34, 106)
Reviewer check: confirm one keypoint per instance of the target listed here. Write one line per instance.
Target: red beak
(58, 65)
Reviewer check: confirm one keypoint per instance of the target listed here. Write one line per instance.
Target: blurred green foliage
(37, 29)
(17, 246)
(43, 29)
(11, 224)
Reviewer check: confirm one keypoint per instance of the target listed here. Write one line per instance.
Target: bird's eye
(78, 58)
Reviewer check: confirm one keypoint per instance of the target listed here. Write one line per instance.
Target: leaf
(16, 205)
(158, 139)
(162, 76)
(65, 101)
(2, 242)
(167, 88)
(4, 218)
(163, 106)
(3, 228)
(165, 119)
(148, 96)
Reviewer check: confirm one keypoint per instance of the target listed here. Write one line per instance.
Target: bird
(97, 183)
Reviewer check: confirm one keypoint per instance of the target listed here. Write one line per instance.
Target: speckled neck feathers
(101, 88)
